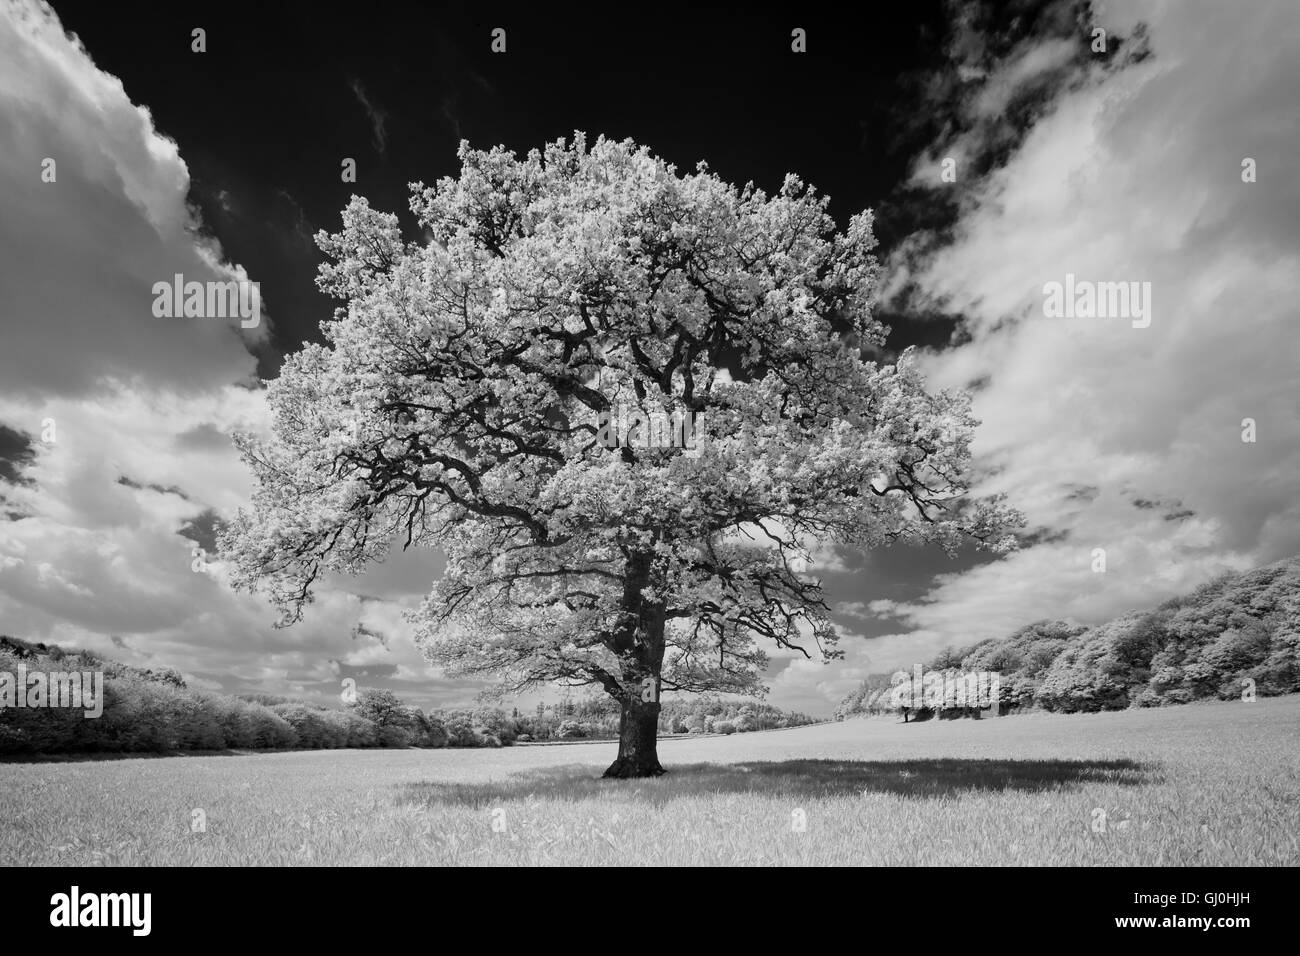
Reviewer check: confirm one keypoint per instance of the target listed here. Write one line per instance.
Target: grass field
(1202, 784)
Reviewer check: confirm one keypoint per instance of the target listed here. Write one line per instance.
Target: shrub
(310, 724)
(461, 731)
(254, 726)
(571, 730)
(39, 730)
(724, 727)
(500, 725)
(13, 739)
(352, 729)
(143, 716)
(270, 731)
(435, 732)
(394, 736)
(198, 720)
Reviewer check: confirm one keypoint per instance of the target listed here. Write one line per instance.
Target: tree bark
(638, 741)
(640, 646)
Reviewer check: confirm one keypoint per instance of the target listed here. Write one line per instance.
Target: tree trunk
(640, 647)
(638, 741)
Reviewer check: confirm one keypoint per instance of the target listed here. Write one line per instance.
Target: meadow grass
(1203, 784)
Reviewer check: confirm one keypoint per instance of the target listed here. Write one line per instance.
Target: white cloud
(1135, 175)
(96, 562)
(82, 253)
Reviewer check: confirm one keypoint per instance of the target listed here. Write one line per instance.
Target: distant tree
(497, 723)
(461, 731)
(949, 658)
(167, 675)
(426, 730)
(382, 706)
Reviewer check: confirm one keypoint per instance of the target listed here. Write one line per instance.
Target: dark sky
(266, 115)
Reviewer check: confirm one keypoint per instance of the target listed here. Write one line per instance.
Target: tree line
(1235, 637)
(155, 711)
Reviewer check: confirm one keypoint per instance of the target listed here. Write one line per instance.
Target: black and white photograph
(650, 436)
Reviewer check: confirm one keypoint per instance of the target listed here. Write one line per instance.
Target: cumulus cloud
(93, 558)
(82, 252)
(1106, 435)
(115, 425)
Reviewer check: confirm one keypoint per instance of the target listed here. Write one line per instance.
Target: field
(1203, 784)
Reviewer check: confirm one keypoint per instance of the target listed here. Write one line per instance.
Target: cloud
(1133, 173)
(108, 565)
(378, 117)
(81, 253)
(99, 523)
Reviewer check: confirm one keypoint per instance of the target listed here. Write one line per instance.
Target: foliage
(153, 711)
(571, 730)
(1232, 634)
(381, 706)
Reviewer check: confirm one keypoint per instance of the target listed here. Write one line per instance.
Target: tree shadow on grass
(919, 779)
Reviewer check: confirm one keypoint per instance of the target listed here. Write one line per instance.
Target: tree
(426, 730)
(382, 706)
(463, 400)
(461, 731)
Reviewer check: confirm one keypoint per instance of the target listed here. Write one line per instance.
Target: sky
(1114, 164)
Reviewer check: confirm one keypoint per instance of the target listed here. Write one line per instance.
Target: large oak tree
(458, 402)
